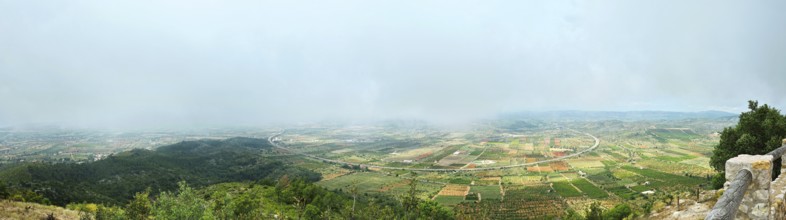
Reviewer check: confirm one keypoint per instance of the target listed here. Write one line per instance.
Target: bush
(4, 192)
(718, 180)
(140, 207)
(758, 131)
(186, 204)
(619, 212)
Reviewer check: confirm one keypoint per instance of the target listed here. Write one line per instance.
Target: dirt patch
(454, 190)
(331, 176)
(559, 166)
(394, 185)
(540, 169)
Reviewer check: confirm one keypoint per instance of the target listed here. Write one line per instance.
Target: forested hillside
(115, 179)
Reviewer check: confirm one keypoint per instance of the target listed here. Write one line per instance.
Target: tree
(432, 210)
(595, 212)
(244, 205)
(186, 204)
(354, 190)
(109, 213)
(410, 201)
(311, 212)
(619, 212)
(139, 208)
(4, 192)
(571, 214)
(758, 131)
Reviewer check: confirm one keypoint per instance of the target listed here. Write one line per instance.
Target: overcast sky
(164, 63)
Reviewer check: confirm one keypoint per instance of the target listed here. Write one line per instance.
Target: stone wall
(777, 193)
(750, 188)
(756, 201)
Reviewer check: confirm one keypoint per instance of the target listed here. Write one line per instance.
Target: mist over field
(226, 63)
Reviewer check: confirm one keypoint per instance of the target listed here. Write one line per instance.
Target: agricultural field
(589, 189)
(487, 192)
(372, 182)
(632, 158)
(566, 189)
(449, 200)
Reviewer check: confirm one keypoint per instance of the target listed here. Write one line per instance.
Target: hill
(115, 179)
(26, 210)
(617, 115)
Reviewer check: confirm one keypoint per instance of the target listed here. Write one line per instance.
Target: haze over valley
(386, 109)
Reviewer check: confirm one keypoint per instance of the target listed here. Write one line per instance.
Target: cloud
(182, 63)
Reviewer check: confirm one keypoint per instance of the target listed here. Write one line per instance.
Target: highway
(597, 142)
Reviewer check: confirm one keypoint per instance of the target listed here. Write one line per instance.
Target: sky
(143, 63)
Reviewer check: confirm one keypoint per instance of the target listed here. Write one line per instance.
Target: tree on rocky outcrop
(758, 131)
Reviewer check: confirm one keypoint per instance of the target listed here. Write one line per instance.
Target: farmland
(633, 157)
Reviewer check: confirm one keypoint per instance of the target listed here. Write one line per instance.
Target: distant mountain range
(618, 115)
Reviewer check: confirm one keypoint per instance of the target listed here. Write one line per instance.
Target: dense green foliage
(594, 212)
(115, 179)
(758, 131)
(285, 200)
(619, 212)
(4, 193)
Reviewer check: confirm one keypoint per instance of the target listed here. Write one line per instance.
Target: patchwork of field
(627, 163)
(373, 182)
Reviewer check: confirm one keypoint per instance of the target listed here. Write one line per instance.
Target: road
(597, 142)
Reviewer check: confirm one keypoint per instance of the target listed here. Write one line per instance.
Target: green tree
(619, 212)
(594, 212)
(244, 205)
(571, 214)
(139, 208)
(432, 210)
(311, 212)
(410, 202)
(758, 131)
(186, 204)
(4, 192)
(109, 213)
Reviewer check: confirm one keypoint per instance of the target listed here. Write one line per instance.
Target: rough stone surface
(756, 202)
(763, 198)
(777, 191)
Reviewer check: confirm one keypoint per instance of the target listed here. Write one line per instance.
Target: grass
(17, 210)
(583, 163)
(564, 189)
(663, 134)
(460, 180)
(589, 189)
(370, 182)
(622, 192)
(666, 177)
(538, 192)
(675, 159)
(449, 200)
(487, 192)
(366, 181)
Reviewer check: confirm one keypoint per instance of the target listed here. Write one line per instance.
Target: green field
(564, 189)
(365, 181)
(622, 192)
(590, 190)
(449, 200)
(666, 177)
(487, 192)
